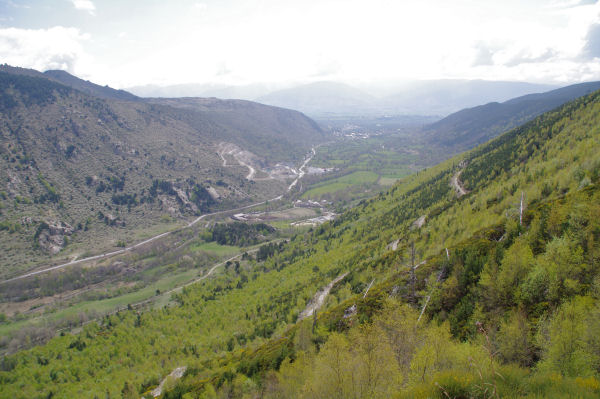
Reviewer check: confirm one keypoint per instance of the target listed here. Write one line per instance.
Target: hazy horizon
(284, 43)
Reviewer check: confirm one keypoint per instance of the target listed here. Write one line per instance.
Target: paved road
(251, 170)
(156, 237)
(301, 169)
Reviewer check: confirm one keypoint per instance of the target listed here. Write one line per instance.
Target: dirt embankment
(319, 298)
(457, 184)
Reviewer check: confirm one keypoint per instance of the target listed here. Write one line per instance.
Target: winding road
(156, 237)
(251, 170)
(301, 169)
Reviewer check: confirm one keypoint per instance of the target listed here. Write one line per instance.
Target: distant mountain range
(244, 92)
(324, 99)
(442, 97)
(469, 127)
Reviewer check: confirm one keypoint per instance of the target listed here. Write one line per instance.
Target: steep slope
(78, 169)
(470, 127)
(487, 274)
(88, 87)
(260, 128)
(74, 82)
(252, 125)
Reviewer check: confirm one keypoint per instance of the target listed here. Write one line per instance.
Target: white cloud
(84, 5)
(240, 42)
(591, 49)
(42, 49)
(200, 6)
(571, 3)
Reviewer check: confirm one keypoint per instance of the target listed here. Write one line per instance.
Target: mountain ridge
(321, 98)
(82, 167)
(86, 86)
(472, 126)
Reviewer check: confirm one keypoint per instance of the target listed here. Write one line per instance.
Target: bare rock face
(213, 193)
(417, 224)
(393, 245)
(349, 312)
(112, 220)
(51, 236)
(184, 199)
(169, 204)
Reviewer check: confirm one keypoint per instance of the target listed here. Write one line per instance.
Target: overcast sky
(125, 42)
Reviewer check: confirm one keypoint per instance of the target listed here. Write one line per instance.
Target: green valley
(489, 294)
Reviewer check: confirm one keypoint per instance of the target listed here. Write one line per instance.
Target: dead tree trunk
(413, 276)
(521, 209)
(439, 278)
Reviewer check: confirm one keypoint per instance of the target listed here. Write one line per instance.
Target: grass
(341, 183)
(286, 225)
(388, 181)
(166, 282)
(371, 164)
(215, 248)
(103, 306)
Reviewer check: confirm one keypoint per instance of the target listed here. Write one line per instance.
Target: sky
(126, 43)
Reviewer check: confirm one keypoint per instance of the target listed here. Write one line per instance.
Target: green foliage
(201, 197)
(124, 199)
(239, 234)
(571, 339)
(501, 280)
(51, 193)
(268, 250)
(515, 340)
(10, 226)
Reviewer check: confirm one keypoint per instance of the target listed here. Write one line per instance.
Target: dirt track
(457, 184)
(151, 239)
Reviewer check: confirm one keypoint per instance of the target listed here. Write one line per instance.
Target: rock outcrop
(51, 235)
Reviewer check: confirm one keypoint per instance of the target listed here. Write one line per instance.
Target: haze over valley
(274, 199)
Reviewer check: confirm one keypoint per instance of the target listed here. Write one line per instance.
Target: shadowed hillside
(470, 127)
(84, 173)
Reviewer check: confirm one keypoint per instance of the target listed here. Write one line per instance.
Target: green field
(161, 278)
(388, 181)
(103, 306)
(213, 247)
(341, 183)
(366, 166)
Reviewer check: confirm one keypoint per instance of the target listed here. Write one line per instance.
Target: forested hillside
(496, 248)
(469, 127)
